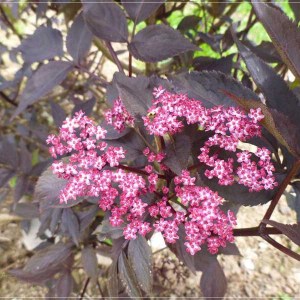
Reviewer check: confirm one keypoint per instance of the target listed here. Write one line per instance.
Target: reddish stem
(254, 231)
(194, 166)
(280, 247)
(279, 193)
(138, 171)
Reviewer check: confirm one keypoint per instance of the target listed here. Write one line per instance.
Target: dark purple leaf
(213, 282)
(87, 217)
(112, 92)
(217, 8)
(292, 231)
(277, 93)
(246, 81)
(25, 158)
(113, 281)
(265, 50)
(188, 22)
(295, 6)
(21, 187)
(70, 222)
(8, 152)
(287, 45)
(27, 210)
(213, 40)
(112, 133)
(42, 82)
(128, 277)
(79, 39)
(238, 193)
(106, 230)
(45, 219)
(4, 193)
(106, 21)
(177, 153)
(158, 42)
(179, 250)
(64, 285)
(278, 124)
(133, 145)
(203, 259)
(293, 199)
(139, 10)
(58, 113)
(89, 262)
(41, 9)
(230, 249)
(204, 63)
(227, 40)
(5, 175)
(45, 263)
(140, 258)
(39, 168)
(25, 70)
(55, 219)
(208, 87)
(135, 93)
(47, 191)
(85, 106)
(45, 43)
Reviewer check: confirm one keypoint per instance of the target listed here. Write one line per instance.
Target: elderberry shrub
(170, 141)
(95, 169)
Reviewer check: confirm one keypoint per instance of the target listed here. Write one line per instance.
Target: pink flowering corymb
(95, 169)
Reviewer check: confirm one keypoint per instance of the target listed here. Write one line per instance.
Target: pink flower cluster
(93, 169)
(230, 127)
(200, 214)
(118, 116)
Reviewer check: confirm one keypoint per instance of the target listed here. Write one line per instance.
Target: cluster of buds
(95, 169)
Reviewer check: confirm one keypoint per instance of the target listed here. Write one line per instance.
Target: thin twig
(130, 55)
(279, 193)
(107, 55)
(137, 130)
(7, 99)
(138, 171)
(281, 248)
(254, 231)
(84, 288)
(114, 56)
(83, 69)
(8, 22)
(100, 290)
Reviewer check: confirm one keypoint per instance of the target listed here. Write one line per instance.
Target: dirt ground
(261, 271)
